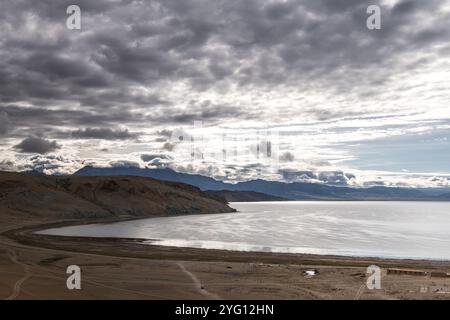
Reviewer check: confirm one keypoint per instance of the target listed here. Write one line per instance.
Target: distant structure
(413, 272)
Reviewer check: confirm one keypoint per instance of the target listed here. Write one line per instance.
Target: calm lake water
(417, 230)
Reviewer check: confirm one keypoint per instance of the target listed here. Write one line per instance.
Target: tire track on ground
(198, 284)
(18, 285)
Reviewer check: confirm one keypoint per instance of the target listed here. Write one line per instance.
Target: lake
(416, 230)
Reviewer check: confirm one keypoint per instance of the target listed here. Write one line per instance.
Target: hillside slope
(50, 197)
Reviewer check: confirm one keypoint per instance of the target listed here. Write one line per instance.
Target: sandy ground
(34, 267)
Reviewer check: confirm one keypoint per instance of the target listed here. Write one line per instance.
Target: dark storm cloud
(173, 43)
(4, 122)
(262, 43)
(37, 145)
(103, 133)
(157, 64)
(200, 111)
(209, 114)
(35, 118)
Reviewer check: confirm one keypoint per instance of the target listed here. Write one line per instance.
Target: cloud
(298, 176)
(103, 133)
(336, 178)
(125, 164)
(224, 48)
(52, 164)
(7, 165)
(164, 133)
(287, 157)
(47, 164)
(4, 122)
(168, 146)
(157, 160)
(150, 157)
(34, 119)
(37, 145)
(312, 65)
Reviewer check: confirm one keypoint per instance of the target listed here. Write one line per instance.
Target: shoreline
(124, 268)
(27, 235)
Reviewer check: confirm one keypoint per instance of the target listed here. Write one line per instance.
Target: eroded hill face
(49, 197)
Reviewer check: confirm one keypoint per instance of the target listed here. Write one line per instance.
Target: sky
(236, 90)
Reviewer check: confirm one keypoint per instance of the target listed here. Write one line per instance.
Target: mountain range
(289, 191)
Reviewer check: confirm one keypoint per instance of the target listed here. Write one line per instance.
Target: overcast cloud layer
(350, 106)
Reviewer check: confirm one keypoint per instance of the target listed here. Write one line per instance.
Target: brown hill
(63, 197)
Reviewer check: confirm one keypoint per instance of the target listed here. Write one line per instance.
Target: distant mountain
(312, 191)
(445, 196)
(435, 191)
(202, 182)
(33, 173)
(244, 196)
(291, 191)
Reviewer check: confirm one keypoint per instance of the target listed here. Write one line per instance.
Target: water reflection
(419, 230)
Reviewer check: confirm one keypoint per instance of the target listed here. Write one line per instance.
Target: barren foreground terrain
(33, 267)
